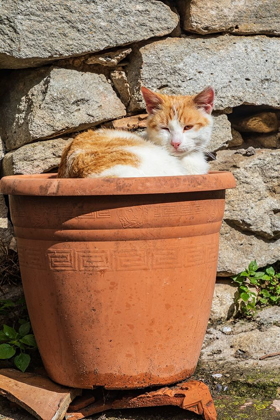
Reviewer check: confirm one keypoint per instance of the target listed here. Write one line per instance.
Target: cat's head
(181, 124)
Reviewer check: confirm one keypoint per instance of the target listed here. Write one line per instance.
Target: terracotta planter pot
(118, 274)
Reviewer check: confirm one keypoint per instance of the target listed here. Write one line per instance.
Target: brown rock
(237, 139)
(37, 394)
(131, 123)
(269, 141)
(265, 122)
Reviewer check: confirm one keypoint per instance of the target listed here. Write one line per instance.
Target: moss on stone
(232, 407)
(256, 383)
(253, 383)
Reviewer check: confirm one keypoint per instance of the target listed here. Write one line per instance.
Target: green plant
(256, 288)
(17, 341)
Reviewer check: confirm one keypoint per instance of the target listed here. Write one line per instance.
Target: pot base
(122, 382)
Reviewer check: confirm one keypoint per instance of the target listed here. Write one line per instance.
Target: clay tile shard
(192, 395)
(37, 394)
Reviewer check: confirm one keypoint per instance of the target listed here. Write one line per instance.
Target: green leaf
(270, 271)
(253, 281)
(266, 277)
(237, 279)
(274, 298)
(10, 332)
(3, 336)
(6, 304)
(29, 340)
(265, 293)
(259, 274)
(253, 266)
(263, 300)
(244, 288)
(244, 274)
(22, 361)
(24, 329)
(244, 296)
(22, 321)
(6, 351)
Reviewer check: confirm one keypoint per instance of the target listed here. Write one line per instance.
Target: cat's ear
(152, 99)
(205, 99)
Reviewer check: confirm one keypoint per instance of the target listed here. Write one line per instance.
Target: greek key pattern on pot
(121, 260)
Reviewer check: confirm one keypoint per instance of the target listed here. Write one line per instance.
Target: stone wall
(67, 66)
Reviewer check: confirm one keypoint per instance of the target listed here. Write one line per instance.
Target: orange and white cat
(178, 132)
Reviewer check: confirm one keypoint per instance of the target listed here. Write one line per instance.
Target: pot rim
(49, 185)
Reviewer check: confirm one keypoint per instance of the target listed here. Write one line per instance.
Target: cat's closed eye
(188, 127)
(165, 128)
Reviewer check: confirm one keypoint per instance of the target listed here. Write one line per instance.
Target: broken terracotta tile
(81, 402)
(37, 394)
(192, 395)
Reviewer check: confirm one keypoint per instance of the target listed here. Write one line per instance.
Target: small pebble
(250, 151)
(217, 375)
(219, 387)
(226, 330)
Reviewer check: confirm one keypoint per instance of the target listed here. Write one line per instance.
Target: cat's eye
(188, 127)
(165, 128)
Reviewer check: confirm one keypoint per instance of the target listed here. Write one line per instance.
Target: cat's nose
(176, 144)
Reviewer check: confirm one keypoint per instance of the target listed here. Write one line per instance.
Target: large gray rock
(221, 134)
(6, 231)
(241, 341)
(242, 70)
(223, 301)
(33, 32)
(46, 102)
(239, 248)
(34, 158)
(242, 17)
(251, 226)
(253, 206)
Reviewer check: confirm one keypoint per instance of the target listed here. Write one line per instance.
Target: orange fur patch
(92, 152)
(186, 112)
